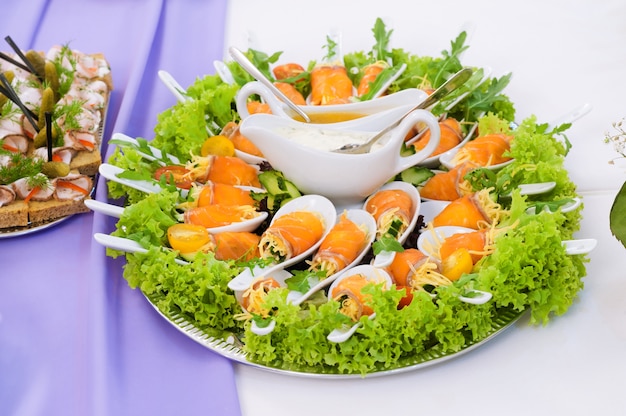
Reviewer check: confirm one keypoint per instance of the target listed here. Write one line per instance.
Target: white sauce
(326, 139)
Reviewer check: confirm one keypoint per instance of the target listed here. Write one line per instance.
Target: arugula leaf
(380, 80)
(451, 62)
(550, 206)
(331, 47)
(382, 36)
(487, 97)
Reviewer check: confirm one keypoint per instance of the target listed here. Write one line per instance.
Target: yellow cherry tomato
(218, 146)
(187, 238)
(457, 264)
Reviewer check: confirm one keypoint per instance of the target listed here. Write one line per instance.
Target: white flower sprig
(617, 215)
(618, 139)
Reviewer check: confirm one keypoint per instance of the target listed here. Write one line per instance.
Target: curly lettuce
(197, 291)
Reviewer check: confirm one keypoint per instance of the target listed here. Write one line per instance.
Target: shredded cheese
(427, 274)
(490, 208)
(350, 308)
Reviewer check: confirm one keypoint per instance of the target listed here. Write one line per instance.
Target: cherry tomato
(457, 264)
(187, 238)
(218, 145)
(174, 174)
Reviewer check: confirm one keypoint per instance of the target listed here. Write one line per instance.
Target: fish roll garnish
(290, 235)
(391, 208)
(340, 247)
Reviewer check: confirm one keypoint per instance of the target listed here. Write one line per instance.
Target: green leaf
(382, 36)
(331, 49)
(387, 244)
(301, 280)
(617, 216)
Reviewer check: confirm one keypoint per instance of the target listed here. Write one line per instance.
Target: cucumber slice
(416, 175)
(279, 189)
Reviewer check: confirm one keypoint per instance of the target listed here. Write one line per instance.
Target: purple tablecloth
(74, 338)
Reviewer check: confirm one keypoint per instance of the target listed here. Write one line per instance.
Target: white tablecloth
(562, 55)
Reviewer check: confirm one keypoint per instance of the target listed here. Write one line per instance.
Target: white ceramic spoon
(179, 92)
(124, 244)
(222, 70)
(111, 173)
(314, 203)
(155, 155)
(374, 274)
(279, 276)
(104, 208)
(582, 246)
(570, 206)
(343, 334)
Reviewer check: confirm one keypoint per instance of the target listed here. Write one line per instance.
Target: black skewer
(14, 62)
(12, 95)
(19, 53)
(48, 116)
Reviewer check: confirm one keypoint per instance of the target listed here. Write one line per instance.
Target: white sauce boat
(344, 178)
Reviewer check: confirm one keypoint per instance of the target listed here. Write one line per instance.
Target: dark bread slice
(87, 162)
(46, 211)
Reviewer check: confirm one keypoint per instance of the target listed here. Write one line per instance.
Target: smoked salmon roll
(212, 193)
(290, 235)
(476, 243)
(291, 92)
(476, 211)
(370, 73)
(340, 247)
(235, 245)
(287, 71)
(448, 185)
(253, 298)
(484, 151)
(412, 268)
(211, 216)
(391, 208)
(330, 84)
(241, 142)
(224, 169)
(451, 135)
(353, 302)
